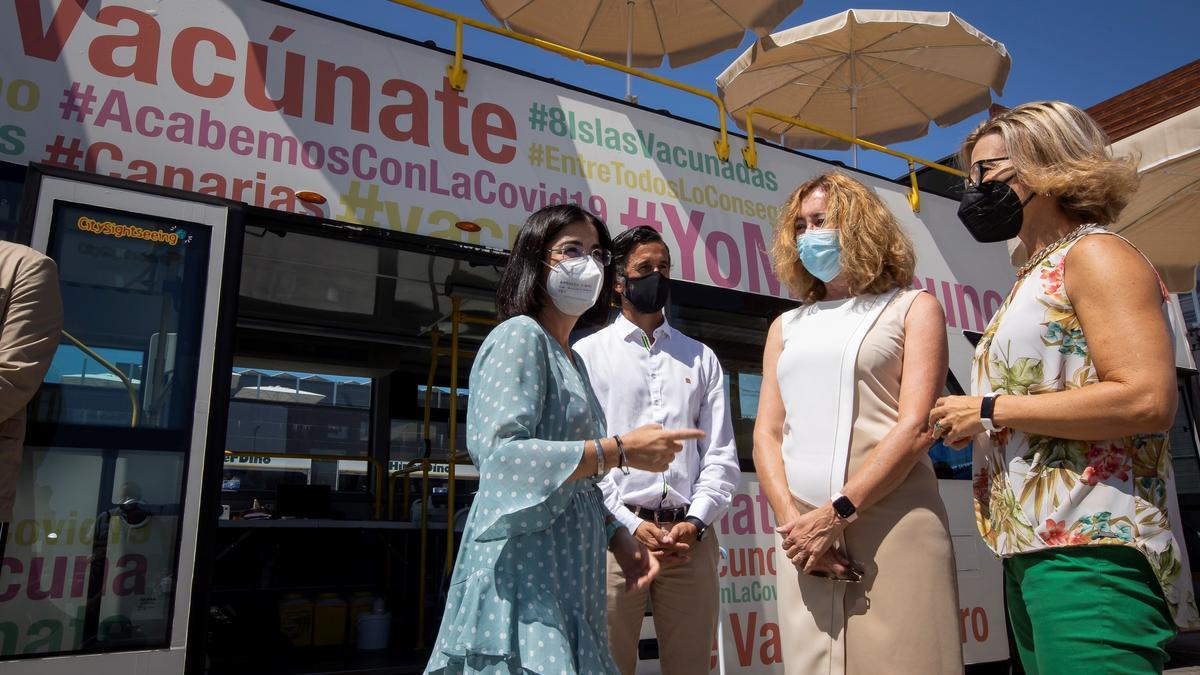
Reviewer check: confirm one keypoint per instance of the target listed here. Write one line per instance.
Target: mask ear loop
(1008, 180)
(1027, 199)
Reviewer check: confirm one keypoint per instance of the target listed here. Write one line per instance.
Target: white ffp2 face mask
(574, 284)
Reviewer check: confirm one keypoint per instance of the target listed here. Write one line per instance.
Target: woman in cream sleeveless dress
(841, 443)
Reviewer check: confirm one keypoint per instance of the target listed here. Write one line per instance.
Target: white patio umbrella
(1161, 218)
(279, 394)
(642, 32)
(881, 75)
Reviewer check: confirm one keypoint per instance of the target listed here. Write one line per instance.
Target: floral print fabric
(1035, 492)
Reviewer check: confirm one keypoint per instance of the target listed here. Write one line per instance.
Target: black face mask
(992, 211)
(648, 294)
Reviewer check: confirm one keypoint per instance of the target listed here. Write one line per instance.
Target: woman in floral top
(1074, 385)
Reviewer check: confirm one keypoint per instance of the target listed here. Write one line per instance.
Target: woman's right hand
(835, 564)
(652, 448)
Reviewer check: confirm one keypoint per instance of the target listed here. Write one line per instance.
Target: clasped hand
(809, 542)
(636, 561)
(670, 546)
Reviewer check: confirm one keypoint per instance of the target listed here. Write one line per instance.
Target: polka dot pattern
(528, 591)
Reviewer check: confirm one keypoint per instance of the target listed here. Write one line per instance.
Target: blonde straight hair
(877, 254)
(1058, 151)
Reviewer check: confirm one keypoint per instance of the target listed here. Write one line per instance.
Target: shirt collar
(630, 332)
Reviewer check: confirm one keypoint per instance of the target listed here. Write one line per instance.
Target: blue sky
(1079, 51)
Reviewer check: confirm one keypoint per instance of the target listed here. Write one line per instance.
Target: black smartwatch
(700, 526)
(845, 508)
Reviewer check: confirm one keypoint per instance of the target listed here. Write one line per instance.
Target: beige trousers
(685, 602)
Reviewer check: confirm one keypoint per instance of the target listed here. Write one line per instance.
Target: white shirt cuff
(704, 509)
(629, 519)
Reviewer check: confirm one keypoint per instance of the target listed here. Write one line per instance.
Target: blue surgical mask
(820, 253)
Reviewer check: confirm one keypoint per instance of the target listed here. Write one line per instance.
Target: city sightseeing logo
(108, 228)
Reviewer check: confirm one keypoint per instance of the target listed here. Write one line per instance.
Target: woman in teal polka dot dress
(528, 590)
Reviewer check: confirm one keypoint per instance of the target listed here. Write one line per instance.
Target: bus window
(123, 300)
(734, 325)
(279, 420)
(743, 382)
(12, 184)
(748, 387)
(408, 435)
(949, 463)
(1185, 455)
(101, 485)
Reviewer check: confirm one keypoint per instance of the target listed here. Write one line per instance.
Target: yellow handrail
(405, 473)
(423, 466)
(458, 75)
(129, 388)
(435, 337)
(380, 469)
(750, 154)
(457, 318)
(452, 431)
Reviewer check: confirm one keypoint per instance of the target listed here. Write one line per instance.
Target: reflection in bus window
(122, 555)
(949, 463)
(1185, 455)
(12, 186)
(279, 420)
(125, 280)
(749, 385)
(408, 439)
(72, 368)
(408, 436)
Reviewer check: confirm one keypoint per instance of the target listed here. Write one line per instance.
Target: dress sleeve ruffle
(523, 479)
(501, 619)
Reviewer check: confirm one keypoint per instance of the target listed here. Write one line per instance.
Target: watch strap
(987, 410)
(845, 509)
(701, 528)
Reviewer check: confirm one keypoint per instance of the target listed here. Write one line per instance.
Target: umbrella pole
(629, 52)
(854, 123)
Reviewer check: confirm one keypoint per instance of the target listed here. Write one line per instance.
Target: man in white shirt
(645, 372)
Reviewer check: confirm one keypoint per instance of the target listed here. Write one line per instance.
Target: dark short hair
(520, 290)
(626, 243)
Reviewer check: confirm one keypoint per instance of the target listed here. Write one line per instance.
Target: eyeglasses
(572, 251)
(979, 168)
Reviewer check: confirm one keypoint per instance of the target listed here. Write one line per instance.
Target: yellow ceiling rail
(750, 154)
(458, 75)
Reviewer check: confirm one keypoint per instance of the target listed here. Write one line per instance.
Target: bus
(278, 237)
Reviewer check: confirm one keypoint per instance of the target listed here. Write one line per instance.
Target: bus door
(101, 558)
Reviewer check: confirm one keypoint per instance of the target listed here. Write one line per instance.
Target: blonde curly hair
(1058, 151)
(877, 255)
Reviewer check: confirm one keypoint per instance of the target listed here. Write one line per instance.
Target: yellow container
(361, 603)
(296, 619)
(329, 625)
